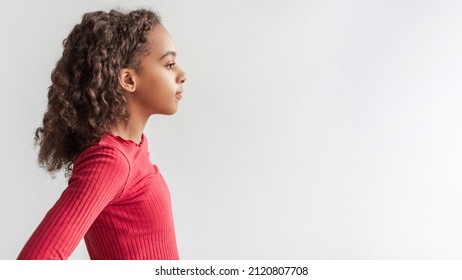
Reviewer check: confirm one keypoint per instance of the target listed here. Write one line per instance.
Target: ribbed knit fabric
(117, 199)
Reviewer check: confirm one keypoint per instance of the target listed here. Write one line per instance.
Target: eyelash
(170, 66)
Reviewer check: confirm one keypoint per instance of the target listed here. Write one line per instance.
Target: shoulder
(102, 155)
(100, 168)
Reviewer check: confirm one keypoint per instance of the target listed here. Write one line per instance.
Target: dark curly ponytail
(85, 99)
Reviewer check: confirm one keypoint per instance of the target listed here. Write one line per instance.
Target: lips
(179, 95)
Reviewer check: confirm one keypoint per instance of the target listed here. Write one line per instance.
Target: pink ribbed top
(117, 199)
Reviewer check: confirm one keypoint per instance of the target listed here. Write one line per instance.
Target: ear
(127, 79)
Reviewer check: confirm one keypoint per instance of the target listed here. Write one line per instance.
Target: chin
(169, 113)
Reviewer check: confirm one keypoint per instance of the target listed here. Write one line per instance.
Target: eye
(171, 65)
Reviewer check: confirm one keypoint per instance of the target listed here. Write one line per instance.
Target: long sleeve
(98, 178)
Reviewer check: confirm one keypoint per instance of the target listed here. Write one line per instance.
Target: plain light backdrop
(307, 129)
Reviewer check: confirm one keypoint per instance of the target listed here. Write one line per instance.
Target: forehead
(160, 41)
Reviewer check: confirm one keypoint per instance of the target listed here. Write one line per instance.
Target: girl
(117, 69)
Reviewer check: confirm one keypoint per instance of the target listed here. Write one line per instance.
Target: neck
(132, 129)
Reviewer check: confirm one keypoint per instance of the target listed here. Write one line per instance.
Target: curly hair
(85, 99)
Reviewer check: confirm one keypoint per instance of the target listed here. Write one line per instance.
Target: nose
(182, 76)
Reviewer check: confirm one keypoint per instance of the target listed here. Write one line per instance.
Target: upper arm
(99, 176)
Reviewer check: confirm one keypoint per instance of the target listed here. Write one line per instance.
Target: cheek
(158, 87)
(156, 79)
(164, 83)
(149, 83)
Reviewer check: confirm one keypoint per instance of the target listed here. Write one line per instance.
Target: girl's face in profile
(159, 82)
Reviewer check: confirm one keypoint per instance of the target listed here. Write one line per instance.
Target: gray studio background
(308, 129)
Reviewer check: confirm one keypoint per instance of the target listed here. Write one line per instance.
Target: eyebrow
(172, 53)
